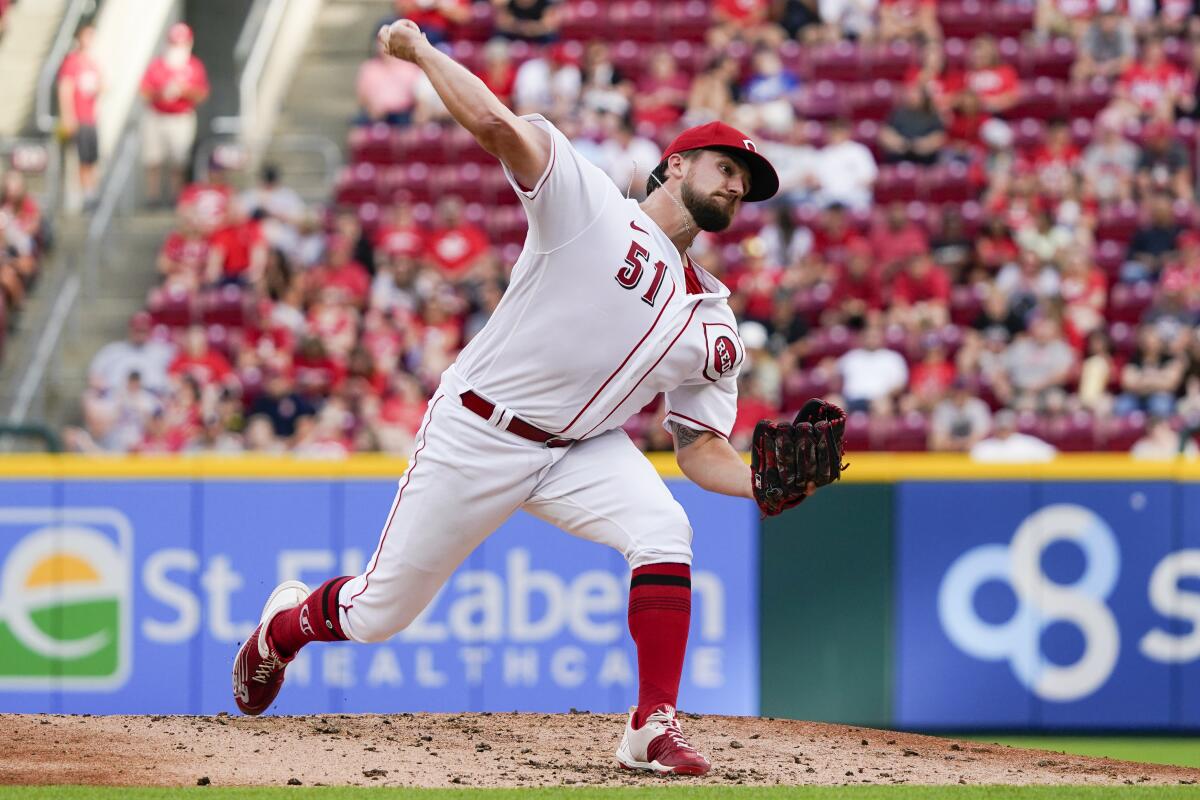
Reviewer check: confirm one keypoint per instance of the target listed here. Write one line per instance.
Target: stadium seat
(1070, 433)
(1120, 434)
(1128, 302)
(1110, 255)
(1117, 223)
(858, 432)
(357, 184)
(839, 62)
(949, 183)
(822, 101)
(896, 182)
(890, 61)
(1041, 99)
(873, 101)
(1011, 19)
(225, 306)
(908, 434)
(582, 20)
(965, 20)
(1087, 100)
(1052, 59)
(173, 307)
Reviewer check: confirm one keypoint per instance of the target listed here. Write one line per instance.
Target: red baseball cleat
(659, 746)
(258, 670)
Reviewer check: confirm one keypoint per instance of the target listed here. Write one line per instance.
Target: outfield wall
(923, 592)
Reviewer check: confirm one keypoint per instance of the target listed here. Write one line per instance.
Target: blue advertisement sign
(132, 597)
(1047, 604)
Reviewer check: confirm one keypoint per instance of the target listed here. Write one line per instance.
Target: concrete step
(31, 27)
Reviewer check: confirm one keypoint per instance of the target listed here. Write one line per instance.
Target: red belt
(520, 427)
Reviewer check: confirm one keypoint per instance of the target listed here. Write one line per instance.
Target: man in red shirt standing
(174, 84)
(79, 86)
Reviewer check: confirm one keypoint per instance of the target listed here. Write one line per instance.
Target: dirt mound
(508, 750)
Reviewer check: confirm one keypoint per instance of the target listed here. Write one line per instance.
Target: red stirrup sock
(314, 620)
(660, 610)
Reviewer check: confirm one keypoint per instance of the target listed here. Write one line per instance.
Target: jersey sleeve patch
(723, 350)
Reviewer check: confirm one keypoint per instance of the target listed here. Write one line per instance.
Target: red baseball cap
(764, 183)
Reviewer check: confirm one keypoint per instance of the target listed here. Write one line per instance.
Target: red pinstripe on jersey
(395, 507)
(695, 307)
(608, 380)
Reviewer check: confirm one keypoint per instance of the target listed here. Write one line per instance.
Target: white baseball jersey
(597, 319)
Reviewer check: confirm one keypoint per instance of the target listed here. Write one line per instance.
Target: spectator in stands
(1151, 86)
(742, 18)
(207, 201)
(960, 421)
(714, 91)
(795, 162)
(80, 84)
(848, 19)
(1107, 47)
(914, 130)
(1063, 17)
(834, 237)
(798, 19)
(858, 290)
(341, 273)
(994, 247)
(626, 155)
(4, 6)
(997, 314)
(199, 361)
(436, 18)
(281, 404)
(1084, 291)
(951, 247)
(989, 77)
(536, 21)
(897, 238)
(1044, 239)
(149, 358)
(920, 294)
(174, 84)
(550, 83)
(662, 94)
(1109, 163)
(1008, 445)
(1153, 243)
(1151, 379)
(386, 89)
(1095, 374)
(455, 246)
(1035, 364)
(845, 170)
(499, 73)
(281, 208)
(909, 19)
(786, 241)
(1163, 442)
(20, 238)
(1182, 273)
(872, 375)
(237, 251)
(930, 378)
(1164, 165)
(605, 88)
(183, 259)
(769, 89)
(114, 418)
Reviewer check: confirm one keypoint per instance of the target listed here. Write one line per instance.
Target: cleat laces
(266, 670)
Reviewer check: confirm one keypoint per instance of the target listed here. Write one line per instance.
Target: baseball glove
(786, 457)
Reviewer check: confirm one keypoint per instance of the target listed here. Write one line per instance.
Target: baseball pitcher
(605, 311)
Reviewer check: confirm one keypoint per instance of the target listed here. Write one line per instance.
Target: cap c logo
(749, 145)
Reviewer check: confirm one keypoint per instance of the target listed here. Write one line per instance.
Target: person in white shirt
(627, 155)
(1008, 445)
(845, 170)
(1163, 442)
(550, 83)
(112, 365)
(871, 373)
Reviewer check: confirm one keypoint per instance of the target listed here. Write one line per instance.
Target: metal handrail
(264, 38)
(112, 189)
(43, 100)
(323, 146)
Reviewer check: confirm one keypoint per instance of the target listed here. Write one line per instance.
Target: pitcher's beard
(709, 213)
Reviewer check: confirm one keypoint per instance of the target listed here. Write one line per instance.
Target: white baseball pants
(468, 476)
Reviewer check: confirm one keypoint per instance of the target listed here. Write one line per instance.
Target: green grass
(1151, 750)
(650, 790)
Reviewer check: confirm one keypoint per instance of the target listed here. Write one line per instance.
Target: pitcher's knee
(671, 544)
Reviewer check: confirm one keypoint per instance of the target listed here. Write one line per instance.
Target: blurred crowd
(22, 239)
(986, 237)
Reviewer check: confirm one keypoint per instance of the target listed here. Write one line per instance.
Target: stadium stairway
(126, 273)
(31, 30)
(321, 99)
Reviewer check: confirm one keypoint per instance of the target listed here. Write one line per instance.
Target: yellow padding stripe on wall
(864, 468)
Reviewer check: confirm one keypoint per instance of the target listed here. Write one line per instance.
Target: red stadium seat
(1087, 100)
(226, 306)
(357, 184)
(839, 62)
(582, 20)
(907, 434)
(1117, 223)
(896, 182)
(1052, 59)
(1011, 19)
(480, 26)
(890, 61)
(1128, 302)
(1029, 135)
(949, 183)
(821, 101)
(858, 432)
(1110, 255)
(966, 19)
(871, 102)
(1120, 434)
(371, 143)
(174, 308)
(1070, 433)
(1041, 99)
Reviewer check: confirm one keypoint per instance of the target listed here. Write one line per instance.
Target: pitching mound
(508, 750)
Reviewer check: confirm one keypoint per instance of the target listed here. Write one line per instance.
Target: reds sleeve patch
(723, 350)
